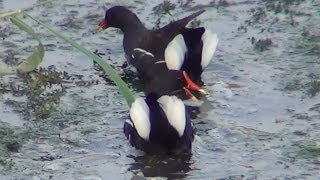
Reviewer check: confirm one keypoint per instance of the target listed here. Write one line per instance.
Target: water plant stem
(123, 88)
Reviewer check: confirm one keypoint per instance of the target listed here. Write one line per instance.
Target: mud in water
(260, 120)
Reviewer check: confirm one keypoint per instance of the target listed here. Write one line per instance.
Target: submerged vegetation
(164, 8)
(274, 19)
(42, 87)
(269, 15)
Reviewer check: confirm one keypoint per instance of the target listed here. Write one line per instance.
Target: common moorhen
(159, 125)
(159, 79)
(181, 48)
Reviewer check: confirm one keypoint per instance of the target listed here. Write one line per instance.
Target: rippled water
(256, 123)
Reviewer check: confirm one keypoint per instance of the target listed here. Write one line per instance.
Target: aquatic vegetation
(293, 85)
(123, 88)
(35, 83)
(11, 139)
(37, 56)
(269, 15)
(195, 23)
(43, 89)
(278, 6)
(313, 87)
(311, 151)
(258, 15)
(261, 44)
(164, 8)
(33, 60)
(161, 10)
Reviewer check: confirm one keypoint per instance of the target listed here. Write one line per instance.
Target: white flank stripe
(175, 52)
(175, 112)
(159, 62)
(210, 42)
(144, 51)
(139, 113)
(150, 54)
(139, 49)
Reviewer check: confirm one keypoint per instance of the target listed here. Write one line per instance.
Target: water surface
(256, 122)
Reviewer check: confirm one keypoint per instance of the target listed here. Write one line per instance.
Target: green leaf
(8, 71)
(36, 57)
(23, 26)
(32, 61)
(123, 88)
(27, 65)
(10, 13)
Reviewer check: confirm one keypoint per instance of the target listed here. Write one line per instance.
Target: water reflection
(169, 166)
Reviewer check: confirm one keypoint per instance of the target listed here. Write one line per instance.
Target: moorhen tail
(159, 125)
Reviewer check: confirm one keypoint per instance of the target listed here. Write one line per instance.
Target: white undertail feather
(175, 52)
(210, 42)
(175, 112)
(139, 113)
(143, 51)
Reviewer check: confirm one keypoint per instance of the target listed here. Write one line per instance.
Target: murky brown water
(258, 121)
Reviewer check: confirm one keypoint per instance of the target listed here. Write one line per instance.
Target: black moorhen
(182, 48)
(136, 35)
(158, 78)
(159, 125)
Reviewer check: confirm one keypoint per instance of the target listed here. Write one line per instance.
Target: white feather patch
(159, 62)
(129, 122)
(143, 51)
(210, 42)
(139, 113)
(175, 52)
(175, 112)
